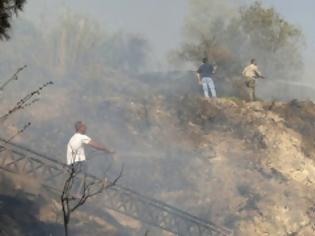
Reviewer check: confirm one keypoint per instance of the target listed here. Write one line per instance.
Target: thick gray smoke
(236, 32)
(98, 76)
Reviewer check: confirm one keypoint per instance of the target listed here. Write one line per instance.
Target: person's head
(253, 61)
(205, 60)
(80, 127)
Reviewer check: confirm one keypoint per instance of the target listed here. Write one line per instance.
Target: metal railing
(23, 161)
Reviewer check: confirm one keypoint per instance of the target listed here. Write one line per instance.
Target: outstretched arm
(100, 147)
(258, 73)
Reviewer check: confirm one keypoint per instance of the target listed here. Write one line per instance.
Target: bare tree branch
(18, 132)
(13, 77)
(25, 101)
(71, 203)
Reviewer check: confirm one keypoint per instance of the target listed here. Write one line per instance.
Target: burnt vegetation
(227, 154)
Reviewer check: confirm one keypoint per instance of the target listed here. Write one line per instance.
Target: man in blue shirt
(204, 76)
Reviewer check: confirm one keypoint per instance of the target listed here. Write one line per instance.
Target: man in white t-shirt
(75, 148)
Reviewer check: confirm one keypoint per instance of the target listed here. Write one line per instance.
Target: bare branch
(71, 203)
(13, 77)
(25, 101)
(18, 132)
(117, 178)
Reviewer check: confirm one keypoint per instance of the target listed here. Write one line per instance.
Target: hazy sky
(161, 21)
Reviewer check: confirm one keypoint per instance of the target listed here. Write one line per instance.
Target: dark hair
(252, 61)
(205, 60)
(77, 125)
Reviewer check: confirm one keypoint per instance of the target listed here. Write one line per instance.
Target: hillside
(259, 177)
(247, 166)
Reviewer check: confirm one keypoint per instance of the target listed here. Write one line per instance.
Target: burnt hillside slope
(248, 166)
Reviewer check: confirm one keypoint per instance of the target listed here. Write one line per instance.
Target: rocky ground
(247, 166)
(259, 174)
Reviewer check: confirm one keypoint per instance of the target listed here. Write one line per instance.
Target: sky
(162, 21)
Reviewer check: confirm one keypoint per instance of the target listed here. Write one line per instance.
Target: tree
(79, 43)
(71, 200)
(124, 52)
(74, 45)
(7, 9)
(230, 37)
(72, 42)
(276, 42)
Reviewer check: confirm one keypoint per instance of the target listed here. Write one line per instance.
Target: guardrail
(52, 174)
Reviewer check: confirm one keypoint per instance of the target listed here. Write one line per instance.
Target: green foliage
(230, 37)
(266, 28)
(7, 9)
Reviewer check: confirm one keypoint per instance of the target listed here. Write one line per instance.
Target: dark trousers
(80, 169)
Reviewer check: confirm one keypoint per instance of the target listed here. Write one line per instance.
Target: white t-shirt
(75, 148)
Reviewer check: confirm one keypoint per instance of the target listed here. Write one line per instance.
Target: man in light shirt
(250, 74)
(75, 148)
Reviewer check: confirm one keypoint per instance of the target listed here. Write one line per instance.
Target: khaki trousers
(250, 85)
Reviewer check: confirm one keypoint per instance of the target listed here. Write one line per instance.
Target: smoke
(97, 78)
(148, 118)
(234, 33)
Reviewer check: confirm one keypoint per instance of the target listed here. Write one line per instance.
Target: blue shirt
(205, 70)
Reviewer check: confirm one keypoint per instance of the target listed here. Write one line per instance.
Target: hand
(113, 155)
(107, 151)
(111, 152)
(199, 82)
(262, 77)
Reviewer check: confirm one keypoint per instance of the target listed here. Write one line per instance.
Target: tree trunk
(66, 228)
